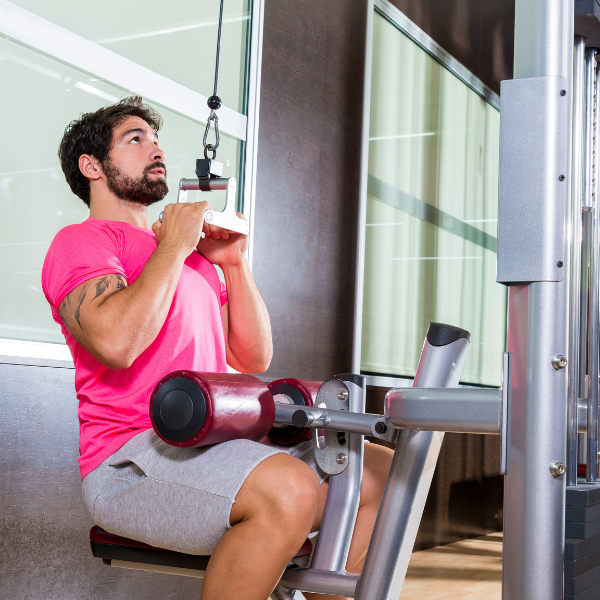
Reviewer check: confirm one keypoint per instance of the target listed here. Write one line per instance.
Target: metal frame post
(534, 508)
(343, 496)
(575, 267)
(409, 481)
(591, 201)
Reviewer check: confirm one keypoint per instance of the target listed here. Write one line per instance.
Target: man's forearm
(249, 328)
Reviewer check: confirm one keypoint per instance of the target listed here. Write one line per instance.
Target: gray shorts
(176, 498)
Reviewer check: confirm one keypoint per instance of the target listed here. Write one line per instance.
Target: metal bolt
(557, 469)
(341, 458)
(561, 177)
(342, 395)
(559, 263)
(559, 362)
(380, 427)
(563, 92)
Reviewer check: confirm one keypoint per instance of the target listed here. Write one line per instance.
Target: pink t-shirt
(113, 405)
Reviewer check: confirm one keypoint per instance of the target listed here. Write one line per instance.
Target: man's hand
(223, 247)
(181, 225)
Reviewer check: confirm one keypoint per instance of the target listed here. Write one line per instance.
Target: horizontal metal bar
(445, 409)
(215, 184)
(227, 218)
(320, 582)
(318, 418)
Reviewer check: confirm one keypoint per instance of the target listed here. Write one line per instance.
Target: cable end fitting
(214, 102)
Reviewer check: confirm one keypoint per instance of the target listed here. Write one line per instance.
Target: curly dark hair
(92, 134)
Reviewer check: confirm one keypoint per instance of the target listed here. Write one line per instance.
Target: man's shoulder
(88, 232)
(79, 241)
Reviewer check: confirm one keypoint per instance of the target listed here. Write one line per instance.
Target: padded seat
(113, 547)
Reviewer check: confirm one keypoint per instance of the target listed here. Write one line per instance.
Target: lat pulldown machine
(196, 409)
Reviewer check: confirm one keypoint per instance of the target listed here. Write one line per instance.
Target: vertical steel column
(534, 508)
(409, 479)
(591, 199)
(574, 230)
(343, 496)
(584, 295)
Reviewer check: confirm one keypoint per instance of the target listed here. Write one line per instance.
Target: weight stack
(582, 543)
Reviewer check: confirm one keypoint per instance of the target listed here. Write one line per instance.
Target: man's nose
(158, 154)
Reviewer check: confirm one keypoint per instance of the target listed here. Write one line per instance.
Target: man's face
(134, 170)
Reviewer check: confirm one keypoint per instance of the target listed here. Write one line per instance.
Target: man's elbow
(264, 360)
(258, 363)
(260, 367)
(115, 358)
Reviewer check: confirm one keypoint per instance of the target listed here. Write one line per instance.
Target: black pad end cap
(300, 419)
(179, 409)
(440, 334)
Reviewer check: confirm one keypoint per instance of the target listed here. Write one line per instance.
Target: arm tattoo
(68, 303)
(101, 286)
(79, 303)
(72, 306)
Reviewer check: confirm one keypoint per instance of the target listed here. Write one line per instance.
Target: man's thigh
(170, 497)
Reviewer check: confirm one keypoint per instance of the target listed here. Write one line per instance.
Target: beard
(141, 190)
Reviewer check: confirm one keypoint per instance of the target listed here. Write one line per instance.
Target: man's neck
(111, 208)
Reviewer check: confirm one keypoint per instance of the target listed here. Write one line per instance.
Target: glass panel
(177, 40)
(41, 96)
(432, 213)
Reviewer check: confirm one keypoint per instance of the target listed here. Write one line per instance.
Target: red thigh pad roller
(293, 391)
(193, 409)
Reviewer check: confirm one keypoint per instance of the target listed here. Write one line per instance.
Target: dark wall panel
(479, 34)
(44, 525)
(308, 179)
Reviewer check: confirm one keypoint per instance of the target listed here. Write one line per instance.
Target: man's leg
(377, 462)
(273, 514)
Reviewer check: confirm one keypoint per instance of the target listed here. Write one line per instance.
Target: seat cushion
(113, 547)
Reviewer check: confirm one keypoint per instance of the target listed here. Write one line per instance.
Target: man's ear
(90, 167)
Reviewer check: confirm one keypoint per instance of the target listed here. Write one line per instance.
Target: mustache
(156, 165)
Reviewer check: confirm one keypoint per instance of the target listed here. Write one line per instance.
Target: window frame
(397, 18)
(45, 37)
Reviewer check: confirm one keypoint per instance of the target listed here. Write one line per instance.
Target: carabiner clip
(211, 147)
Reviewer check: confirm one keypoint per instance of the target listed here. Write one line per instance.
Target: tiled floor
(465, 570)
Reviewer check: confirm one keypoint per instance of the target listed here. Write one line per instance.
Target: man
(135, 303)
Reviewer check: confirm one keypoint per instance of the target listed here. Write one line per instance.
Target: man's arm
(115, 322)
(248, 340)
(248, 337)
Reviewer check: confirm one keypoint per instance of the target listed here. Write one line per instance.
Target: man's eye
(136, 140)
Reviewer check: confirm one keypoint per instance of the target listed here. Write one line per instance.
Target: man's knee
(281, 491)
(378, 460)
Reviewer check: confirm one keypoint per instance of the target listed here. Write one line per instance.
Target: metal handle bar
(431, 409)
(336, 420)
(461, 410)
(227, 219)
